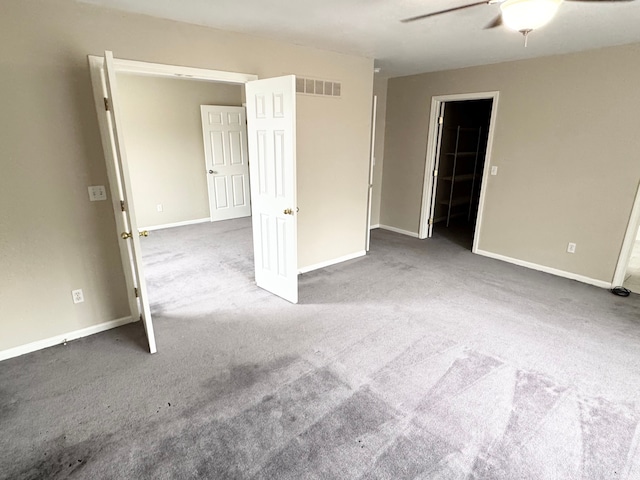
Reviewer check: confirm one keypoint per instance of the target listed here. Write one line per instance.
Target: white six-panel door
(224, 132)
(271, 132)
(120, 184)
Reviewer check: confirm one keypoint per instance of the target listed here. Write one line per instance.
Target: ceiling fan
(523, 16)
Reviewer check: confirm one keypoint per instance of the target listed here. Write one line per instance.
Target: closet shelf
(462, 154)
(459, 178)
(456, 201)
(461, 198)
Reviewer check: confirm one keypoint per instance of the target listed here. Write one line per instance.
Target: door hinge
(440, 119)
(431, 221)
(122, 205)
(106, 104)
(135, 291)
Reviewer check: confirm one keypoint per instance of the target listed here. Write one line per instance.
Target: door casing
(431, 160)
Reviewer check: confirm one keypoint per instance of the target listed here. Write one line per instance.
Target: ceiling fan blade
(454, 9)
(496, 22)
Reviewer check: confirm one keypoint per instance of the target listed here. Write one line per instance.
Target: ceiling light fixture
(527, 15)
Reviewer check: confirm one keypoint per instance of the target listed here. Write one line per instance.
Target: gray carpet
(418, 361)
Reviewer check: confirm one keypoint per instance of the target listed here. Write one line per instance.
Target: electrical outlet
(97, 192)
(571, 248)
(159, 207)
(494, 170)
(77, 295)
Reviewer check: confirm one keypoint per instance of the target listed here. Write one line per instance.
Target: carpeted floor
(418, 361)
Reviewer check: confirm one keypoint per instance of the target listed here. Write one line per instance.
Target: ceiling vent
(323, 88)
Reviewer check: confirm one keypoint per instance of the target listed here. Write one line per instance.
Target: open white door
(224, 131)
(271, 133)
(372, 163)
(436, 164)
(120, 187)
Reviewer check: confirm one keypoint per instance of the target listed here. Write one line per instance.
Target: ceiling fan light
(527, 15)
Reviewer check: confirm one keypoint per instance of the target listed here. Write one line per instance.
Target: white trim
(436, 101)
(430, 159)
(176, 224)
(190, 73)
(328, 263)
(628, 242)
(63, 338)
(372, 162)
(543, 268)
(399, 230)
(377, 225)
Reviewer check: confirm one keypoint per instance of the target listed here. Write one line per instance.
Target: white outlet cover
(77, 296)
(571, 248)
(494, 170)
(159, 207)
(97, 193)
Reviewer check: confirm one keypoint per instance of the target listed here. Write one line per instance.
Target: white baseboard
(332, 262)
(65, 337)
(176, 224)
(371, 227)
(542, 268)
(399, 230)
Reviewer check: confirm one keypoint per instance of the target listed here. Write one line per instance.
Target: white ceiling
(372, 28)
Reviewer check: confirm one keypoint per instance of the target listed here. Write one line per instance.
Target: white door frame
(372, 163)
(628, 242)
(96, 67)
(430, 160)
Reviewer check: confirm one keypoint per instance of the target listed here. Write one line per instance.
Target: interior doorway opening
(271, 127)
(460, 140)
(459, 169)
(188, 162)
(187, 148)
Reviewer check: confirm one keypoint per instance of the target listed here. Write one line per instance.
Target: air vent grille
(324, 88)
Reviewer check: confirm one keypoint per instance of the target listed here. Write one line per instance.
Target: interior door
(372, 162)
(120, 185)
(224, 131)
(271, 132)
(436, 164)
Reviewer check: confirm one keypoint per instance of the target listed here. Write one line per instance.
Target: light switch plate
(97, 193)
(494, 170)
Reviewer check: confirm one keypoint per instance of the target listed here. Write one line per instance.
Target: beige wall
(163, 135)
(380, 90)
(566, 144)
(52, 239)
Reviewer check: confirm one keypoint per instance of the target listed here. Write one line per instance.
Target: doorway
(459, 169)
(271, 117)
(173, 146)
(458, 150)
(172, 150)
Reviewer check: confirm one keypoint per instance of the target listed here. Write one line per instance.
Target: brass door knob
(143, 233)
(125, 235)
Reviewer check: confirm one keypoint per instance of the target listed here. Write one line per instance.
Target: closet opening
(455, 175)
